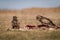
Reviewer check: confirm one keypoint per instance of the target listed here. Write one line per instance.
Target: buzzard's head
(39, 17)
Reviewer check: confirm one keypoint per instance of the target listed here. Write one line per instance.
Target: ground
(28, 16)
(30, 35)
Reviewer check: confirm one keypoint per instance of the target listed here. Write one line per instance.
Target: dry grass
(30, 35)
(28, 16)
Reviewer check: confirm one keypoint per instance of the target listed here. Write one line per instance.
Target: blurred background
(27, 10)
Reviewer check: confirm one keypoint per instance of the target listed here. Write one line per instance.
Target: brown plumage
(15, 24)
(45, 21)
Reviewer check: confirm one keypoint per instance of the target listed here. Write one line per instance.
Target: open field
(28, 16)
